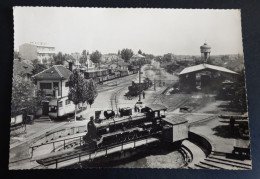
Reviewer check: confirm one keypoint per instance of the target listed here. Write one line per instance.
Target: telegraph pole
(139, 81)
(154, 84)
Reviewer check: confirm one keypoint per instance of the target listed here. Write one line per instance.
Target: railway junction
(204, 147)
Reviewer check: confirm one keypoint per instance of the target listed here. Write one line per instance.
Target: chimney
(70, 66)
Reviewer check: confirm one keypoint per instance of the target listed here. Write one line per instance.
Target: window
(67, 102)
(66, 84)
(60, 103)
(56, 85)
(45, 86)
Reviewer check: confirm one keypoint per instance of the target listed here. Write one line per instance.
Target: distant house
(120, 68)
(22, 69)
(36, 50)
(122, 65)
(107, 58)
(136, 58)
(76, 62)
(54, 83)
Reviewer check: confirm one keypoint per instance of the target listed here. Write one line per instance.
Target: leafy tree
(198, 60)
(140, 52)
(81, 90)
(126, 54)
(44, 61)
(171, 68)
(95, 57)
(77, 89)
(167, 58)
(91, 94)
(58, 59)
(239, 95)
(83, 58)
(149, 56)
(22, 96)
(68, 58)
(37, 66)
(118, 53)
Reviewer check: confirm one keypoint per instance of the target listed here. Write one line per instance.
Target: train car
(112, 130)
(99, 76)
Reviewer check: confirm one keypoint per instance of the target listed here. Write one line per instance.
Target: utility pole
(154, 84)
(139, 81)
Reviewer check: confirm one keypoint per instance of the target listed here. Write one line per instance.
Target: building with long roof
(204, 76)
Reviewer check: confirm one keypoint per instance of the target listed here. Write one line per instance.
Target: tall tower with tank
(205, 52)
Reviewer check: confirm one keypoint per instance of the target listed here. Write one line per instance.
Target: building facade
(33, 50)
(53, 82)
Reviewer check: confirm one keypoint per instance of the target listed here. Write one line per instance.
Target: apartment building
(36, 50)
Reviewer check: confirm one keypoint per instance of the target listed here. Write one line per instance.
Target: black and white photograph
(128, 88)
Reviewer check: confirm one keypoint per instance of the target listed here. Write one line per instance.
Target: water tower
(205, 52)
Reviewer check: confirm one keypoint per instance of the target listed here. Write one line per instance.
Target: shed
(175, 128)
(204, 76)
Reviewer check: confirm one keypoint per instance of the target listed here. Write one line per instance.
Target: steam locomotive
(137, 88)
(112, 130)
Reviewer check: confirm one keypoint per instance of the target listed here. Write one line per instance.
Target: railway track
(114, 98)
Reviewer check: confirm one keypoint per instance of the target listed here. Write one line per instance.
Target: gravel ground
(171, 160)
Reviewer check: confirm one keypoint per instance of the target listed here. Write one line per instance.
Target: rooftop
(205, 66)
(137, 56)
(156, 107)
(21, 68)
(55, 72)
(175, 119)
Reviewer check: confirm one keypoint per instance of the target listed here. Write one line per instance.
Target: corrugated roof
(205, 66)
(55, 72)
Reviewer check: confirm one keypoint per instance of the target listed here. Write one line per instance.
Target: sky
(154, 31)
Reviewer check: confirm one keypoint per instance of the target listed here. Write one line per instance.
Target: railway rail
(114, 98)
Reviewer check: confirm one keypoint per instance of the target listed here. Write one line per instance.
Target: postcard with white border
(128, 88)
